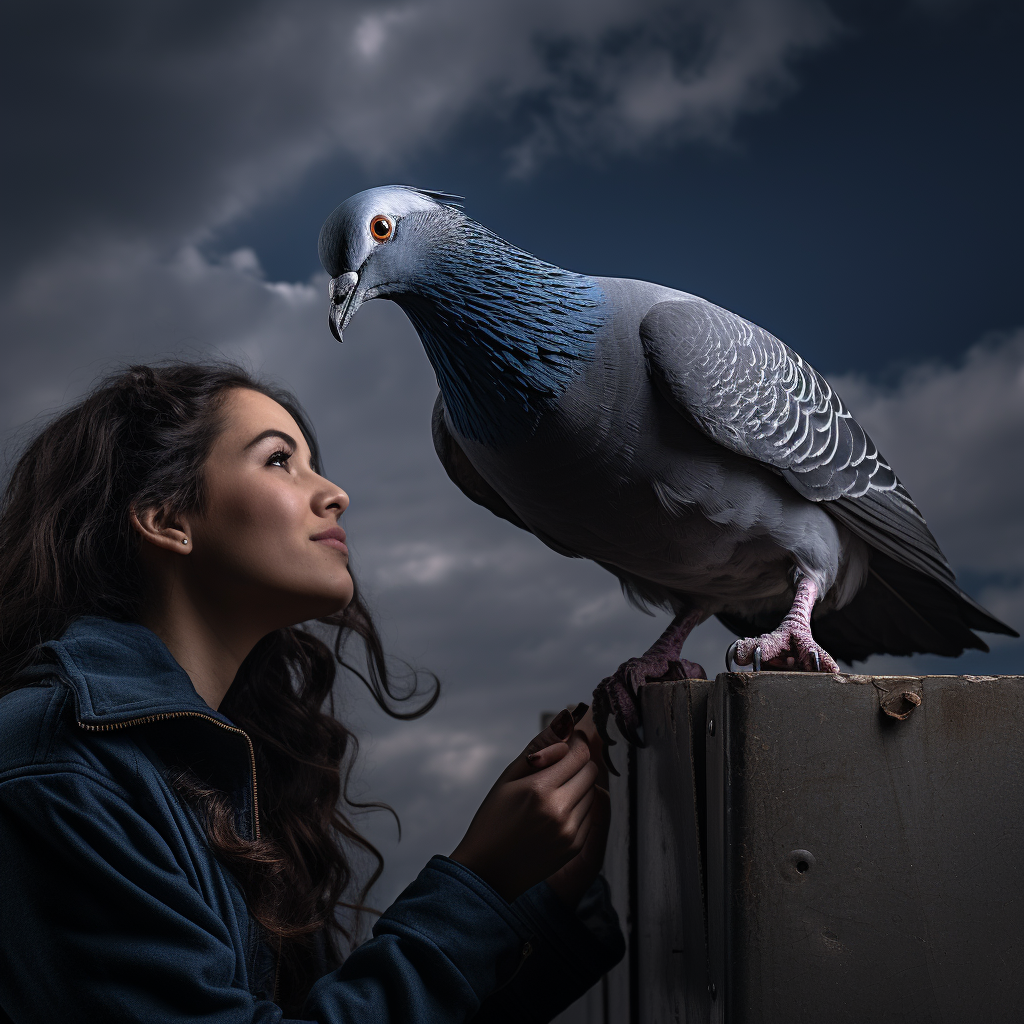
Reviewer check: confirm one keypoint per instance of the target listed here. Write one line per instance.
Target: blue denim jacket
(113, 908)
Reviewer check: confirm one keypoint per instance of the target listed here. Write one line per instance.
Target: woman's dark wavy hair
(140, 440)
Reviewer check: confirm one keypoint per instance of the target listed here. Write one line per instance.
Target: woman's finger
(556, 731)
(559, 730)
(581, 818)
(589, 729)
(597, 824)
(547, 756)
(575, 760)
(574, 789)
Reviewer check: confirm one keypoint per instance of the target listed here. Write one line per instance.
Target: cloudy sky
(846, 174)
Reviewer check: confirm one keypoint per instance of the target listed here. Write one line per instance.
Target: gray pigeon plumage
(683, 448)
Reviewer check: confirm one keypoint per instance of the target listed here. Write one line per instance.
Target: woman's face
(269, 538)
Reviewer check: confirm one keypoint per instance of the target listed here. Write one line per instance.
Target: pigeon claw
(786, 648)
(730, 655)
(791, 646)
(602, 712)
(618, 697)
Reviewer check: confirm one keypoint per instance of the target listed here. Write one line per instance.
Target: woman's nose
(335, 500)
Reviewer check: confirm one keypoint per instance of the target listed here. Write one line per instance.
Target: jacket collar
(121, 671)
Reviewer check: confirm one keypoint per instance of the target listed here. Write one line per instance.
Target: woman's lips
(333, 542)
(334, 538)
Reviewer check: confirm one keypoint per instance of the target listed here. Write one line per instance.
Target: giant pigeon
(686, 450)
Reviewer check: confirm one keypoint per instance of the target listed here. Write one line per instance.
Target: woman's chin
(333, 603)
(303, 608)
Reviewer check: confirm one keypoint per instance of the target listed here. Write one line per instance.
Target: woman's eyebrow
(272, 433)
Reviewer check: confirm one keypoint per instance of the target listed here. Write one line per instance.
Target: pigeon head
(374, 244)
(504, 331)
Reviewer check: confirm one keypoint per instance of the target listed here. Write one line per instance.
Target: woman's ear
(162, 530)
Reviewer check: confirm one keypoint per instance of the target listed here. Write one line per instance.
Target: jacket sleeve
(569, 953)
(98, 921)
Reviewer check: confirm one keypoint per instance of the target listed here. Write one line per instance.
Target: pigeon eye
(381, 228)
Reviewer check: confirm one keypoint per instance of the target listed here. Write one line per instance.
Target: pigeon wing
(754, 395)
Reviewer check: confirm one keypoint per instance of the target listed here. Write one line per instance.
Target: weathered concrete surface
(793, 848)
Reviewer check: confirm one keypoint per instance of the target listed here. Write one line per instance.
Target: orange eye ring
(381, 228)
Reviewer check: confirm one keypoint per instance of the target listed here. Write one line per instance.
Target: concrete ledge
(793, 848)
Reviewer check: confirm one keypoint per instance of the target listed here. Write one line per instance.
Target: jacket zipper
(277, 970)
(193, 714)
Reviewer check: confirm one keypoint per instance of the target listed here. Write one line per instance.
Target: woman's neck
(210, 651)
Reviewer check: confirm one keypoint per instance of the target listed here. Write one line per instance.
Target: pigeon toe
(618, 696)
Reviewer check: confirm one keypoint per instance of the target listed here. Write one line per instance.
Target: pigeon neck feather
(505, 332)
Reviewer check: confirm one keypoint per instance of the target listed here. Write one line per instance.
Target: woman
(173, 838)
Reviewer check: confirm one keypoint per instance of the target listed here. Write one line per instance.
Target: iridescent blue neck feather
(505, 332)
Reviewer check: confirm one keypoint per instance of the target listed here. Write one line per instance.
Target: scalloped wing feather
(754, 395)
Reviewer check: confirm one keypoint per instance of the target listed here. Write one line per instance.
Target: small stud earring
(184, 540)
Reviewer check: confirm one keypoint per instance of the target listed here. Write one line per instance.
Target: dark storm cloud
(161, 120)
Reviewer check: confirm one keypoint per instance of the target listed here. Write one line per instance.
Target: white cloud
(455, 758)
(647, 74)
(597, 75)
(600, 609)
(78, 313)
(426, 564)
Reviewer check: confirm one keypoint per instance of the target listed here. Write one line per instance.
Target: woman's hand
(570, 882)
(537, 816)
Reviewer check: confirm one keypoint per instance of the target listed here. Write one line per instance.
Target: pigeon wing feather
(754, 395)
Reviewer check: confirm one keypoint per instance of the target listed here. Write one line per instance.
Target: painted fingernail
(579, 711)
(533, 758)
(561, 724)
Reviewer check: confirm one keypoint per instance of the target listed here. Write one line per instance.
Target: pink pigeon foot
(618, 694)
(791, 645)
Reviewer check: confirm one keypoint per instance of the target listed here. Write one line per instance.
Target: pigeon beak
(345, 300)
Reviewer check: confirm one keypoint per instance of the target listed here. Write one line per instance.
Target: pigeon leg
(617, 695)
(791, 645)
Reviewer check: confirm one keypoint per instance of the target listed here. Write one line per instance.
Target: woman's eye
(279, 459)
